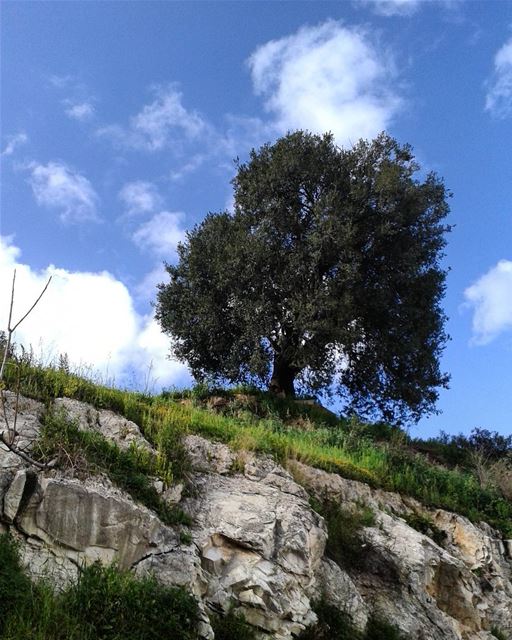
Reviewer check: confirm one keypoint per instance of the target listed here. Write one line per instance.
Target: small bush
(424, 525)
(379, 629)
(15, 586)
(333, 624)
(345, 544)
(113, 605)
(105, 604)
(497, 633)
(232, 626)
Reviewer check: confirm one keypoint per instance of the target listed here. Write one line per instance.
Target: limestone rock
(256, 544)
(455, 592)
(111, 425)
(27, 427)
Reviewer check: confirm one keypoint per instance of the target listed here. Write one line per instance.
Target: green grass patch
(104, 604)
(90, 452)
(376, 454)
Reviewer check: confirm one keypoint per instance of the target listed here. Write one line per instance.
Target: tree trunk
(283, 375)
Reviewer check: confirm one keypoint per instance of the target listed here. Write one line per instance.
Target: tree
(327, 274)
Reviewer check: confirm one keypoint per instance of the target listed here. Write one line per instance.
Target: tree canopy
(327, 276)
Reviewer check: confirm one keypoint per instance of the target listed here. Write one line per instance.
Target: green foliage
(379, 629)
(334, 624)
(424, 524)
(15, 586)
(345, 544)
(329, 253)
(88, 452)
(232, 626)
(497, 633)
(105, 604)
(458, 450)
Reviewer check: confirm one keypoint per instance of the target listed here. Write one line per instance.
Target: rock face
(255, 544)
(458, 591)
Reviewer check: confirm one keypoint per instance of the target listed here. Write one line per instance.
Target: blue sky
(120, 122)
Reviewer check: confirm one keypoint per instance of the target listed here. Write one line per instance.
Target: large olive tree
(326, 275)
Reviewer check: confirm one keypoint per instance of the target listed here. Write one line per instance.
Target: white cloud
(140, 197)
(327, 78)
(390, 8)
(162, 123)
(161, 234)
(13, 142)
(146, 289)
(57, 186)
(89, 316)
(62, 81)
(80, 111)
(189, 167)
(490, 297)
(499, 97)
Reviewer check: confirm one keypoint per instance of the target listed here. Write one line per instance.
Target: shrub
(232, 626)
(424, 524)
(112, 605)
(379, 629)
(333, 624)
(104, 604)
(345, 544)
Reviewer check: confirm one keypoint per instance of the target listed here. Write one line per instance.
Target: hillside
(304, 524)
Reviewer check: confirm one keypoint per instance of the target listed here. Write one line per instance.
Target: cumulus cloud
(327, 78)
(163, 122)
(490, 298)
(499, 96)
(390, 8)
(89, 316)
(81, 111)
(57, 186)
(140, 197)
(13, 142)
(160, 235)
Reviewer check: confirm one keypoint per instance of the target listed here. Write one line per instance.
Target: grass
(90, 452)
(376, 454)
(104, 604)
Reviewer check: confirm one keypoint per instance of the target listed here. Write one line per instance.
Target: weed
(379, 629)
(232, 626)
(497, 633)
(345, 544)
(104, 604)
(333, 624)
(426, 526)
(88, 452)
(185, 537)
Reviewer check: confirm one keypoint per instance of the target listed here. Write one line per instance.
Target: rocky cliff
(255, 543)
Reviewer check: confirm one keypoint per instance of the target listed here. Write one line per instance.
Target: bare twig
(19, 452)
(33, 306)
(9, 440)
